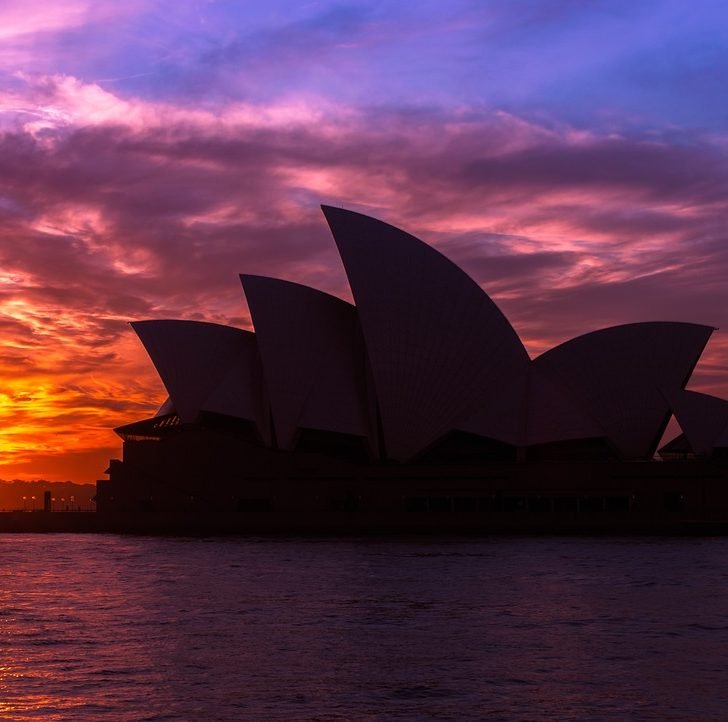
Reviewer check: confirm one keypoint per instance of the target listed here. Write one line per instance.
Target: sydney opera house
(417, 409)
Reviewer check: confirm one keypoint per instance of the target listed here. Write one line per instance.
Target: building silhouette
(420, 397)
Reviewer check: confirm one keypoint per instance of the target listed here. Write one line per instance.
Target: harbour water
(104, 627)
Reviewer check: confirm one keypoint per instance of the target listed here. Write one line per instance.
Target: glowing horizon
(151, 153)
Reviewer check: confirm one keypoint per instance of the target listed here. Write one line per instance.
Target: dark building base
(204, 481)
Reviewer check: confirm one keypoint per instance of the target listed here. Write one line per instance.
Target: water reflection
(116, 628)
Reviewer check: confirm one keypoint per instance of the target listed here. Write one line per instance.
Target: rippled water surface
(134, 628)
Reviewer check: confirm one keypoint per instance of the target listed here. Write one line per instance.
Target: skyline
(571, 157)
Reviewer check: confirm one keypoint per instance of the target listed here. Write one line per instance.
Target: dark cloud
(106, 224)
(649, 169)
(193, 202)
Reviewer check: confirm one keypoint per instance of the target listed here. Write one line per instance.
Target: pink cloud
(22, 18)
(114, 209)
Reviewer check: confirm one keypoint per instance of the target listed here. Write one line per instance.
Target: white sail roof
(206, 367)
(702, 418)
(621, 375)
(313, 358)
(554, 412)
(439, 348)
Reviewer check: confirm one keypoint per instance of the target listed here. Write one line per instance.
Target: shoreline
(348, 524)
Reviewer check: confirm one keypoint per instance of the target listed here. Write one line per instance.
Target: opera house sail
(416, 408)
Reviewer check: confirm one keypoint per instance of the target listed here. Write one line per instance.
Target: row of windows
(613, 503)
(672, 501)
(537, 504)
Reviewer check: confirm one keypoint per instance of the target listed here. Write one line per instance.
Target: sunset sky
(571, 155)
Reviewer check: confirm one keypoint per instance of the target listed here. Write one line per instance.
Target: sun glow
(59, 399)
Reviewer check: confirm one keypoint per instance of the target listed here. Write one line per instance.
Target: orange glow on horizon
(57, 412)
